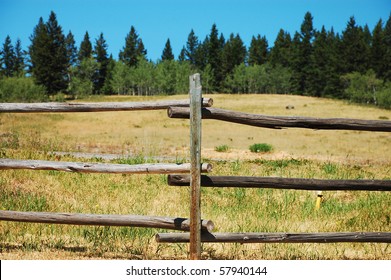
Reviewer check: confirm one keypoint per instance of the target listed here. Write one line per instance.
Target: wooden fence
(173, 223)
(274, 122)
(197, 109)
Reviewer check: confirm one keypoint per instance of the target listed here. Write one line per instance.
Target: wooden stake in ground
(319, 197)
(195, 161)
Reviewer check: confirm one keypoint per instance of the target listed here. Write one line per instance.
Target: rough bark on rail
(277, 122)
(84, 167)
(96, 106)
(323, 237)
(283, 183)
(103, 220)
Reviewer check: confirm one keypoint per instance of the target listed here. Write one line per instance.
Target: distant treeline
(354, 65)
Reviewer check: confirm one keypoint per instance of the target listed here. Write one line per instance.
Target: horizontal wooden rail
(84, 167)
(95, 107)
(323, 237)
(281, 122)
(103, 220)
(283, 183)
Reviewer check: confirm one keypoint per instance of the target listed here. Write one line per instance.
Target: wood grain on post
(283, 183)
(84, 167)
(195, 160)
(325, 237)
(276, 122)
(95, 106)
(103, 220)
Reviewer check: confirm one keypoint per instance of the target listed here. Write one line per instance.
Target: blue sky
(155, 21)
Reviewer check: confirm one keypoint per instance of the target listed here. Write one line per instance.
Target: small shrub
(384, 97)
(222, 148)
(59, 97)
(21, 90)
(261, 148)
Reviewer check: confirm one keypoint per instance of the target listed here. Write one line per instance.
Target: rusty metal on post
(195, 171)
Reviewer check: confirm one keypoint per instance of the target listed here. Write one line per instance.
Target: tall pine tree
(71, 55)
(201, 55)
(377, 49)
(71, 49)
(48, 56)
(303, 61)
(214, 56)
(182, 55)
(296, 64)
(85, 50)
(233, 54)
(321, 57)
(39, 56)
(334, 85)
(325, 80)
(354, 48)
(258, 50)
(19, 63)
(280, 54)
(167, 51)
(57, 81)
(133, 49)
(191, 48)
(101, 56)
(386, 66)
(7, 58)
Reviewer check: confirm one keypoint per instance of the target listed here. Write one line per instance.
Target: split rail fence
(173, 223)
(196, 109)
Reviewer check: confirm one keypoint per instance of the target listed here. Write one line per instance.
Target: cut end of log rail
(207, 102)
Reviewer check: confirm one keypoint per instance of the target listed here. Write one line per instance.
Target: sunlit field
(150, 136)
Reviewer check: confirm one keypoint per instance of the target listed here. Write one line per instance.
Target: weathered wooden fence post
(195, 161)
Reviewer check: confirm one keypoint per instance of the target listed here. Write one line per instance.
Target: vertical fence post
(195, 172)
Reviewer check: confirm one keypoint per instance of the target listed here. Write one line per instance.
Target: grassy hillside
(143, 136)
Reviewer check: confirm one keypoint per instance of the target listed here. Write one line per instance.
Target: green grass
(261, 148)
(231, 209)
(21, 201)
(222, 148)
(35, 136)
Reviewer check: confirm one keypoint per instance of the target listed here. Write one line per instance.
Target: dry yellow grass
(297, 153)
(151, 132)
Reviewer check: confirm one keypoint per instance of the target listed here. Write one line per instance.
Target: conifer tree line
(353, 65)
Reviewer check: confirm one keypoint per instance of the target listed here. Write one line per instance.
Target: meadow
(150, 136)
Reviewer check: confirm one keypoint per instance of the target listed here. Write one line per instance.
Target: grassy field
(150, 136)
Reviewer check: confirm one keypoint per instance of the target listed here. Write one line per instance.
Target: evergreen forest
(354, 65)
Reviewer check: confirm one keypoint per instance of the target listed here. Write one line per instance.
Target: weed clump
(261, 148)
(222, 148)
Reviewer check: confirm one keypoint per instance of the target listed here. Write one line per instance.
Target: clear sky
(155, 21)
